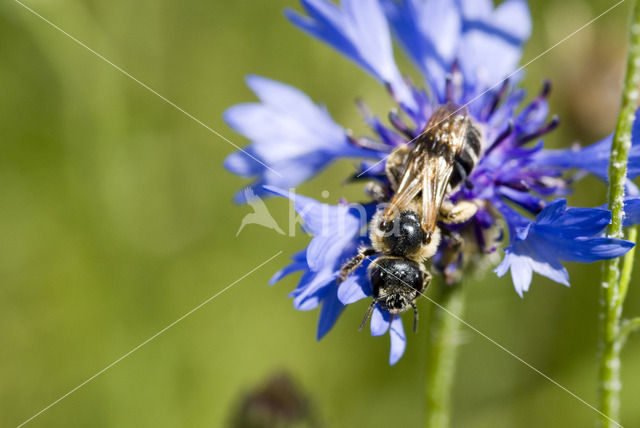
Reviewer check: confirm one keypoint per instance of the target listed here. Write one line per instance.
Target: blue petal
(522, 267)
(331, 310)
(521, 271)
(338, 233)
(358, 29)
(330, 221)
(356, 287)
(284, 112)
(350, 291)
(511, 19)
(305, 279)
(379, 321)
(572, 222)
(293, 267)
(312, 291)
(516, 222)
(587, 250)
(398, 340)
(429, 31)
(475, 8)
(240, 163)
(595, 158)
(492, 41)
(532, 117)
(525, 199)
(558, 234)
(552, 269)
(631, 211)
(293, 139)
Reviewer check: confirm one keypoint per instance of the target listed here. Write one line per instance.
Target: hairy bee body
(441, 157)
(468, 157)
(405, 234)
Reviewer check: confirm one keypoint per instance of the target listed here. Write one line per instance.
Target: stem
(613, 291)
(627, 264)
(442, 346)
(628, 327)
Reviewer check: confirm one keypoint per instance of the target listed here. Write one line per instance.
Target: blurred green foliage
(116, 219)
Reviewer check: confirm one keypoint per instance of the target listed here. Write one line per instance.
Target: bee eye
(405, 234)
(386, 226)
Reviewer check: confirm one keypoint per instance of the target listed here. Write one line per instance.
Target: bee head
(396, 283)
(403, 235)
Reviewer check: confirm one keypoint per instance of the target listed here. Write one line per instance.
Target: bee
(406, 234)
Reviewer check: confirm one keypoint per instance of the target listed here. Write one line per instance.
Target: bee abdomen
(468, 156)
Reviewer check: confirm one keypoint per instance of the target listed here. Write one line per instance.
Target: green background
(116, 219)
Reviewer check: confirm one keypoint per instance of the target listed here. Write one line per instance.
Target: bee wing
(431, 179)
(435, 180)
(408, 189)
(430, 163)
(448, 128)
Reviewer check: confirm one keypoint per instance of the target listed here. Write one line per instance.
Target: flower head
(467, 51)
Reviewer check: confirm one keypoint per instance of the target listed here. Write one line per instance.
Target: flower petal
(429, 31)
(593, 249)
(492, 40)
(240, 163)
(287, 270)
(358, 29)
(631, 211)
(558, 234)
(379, 321)
(595, 158)
(337, 231)
(293, 139)
(398, 340)
(356, 287)
(312, 291)
(521, 271)
(329, 314)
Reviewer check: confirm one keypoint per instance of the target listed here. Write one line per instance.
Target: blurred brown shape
(595, 87)
(587, 70)
(278, 402)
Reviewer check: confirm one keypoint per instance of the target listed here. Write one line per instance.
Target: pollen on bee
(427, 251)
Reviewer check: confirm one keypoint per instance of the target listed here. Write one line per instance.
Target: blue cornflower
(557, 234)
(468, 52)
(594, 159)
(293, 138)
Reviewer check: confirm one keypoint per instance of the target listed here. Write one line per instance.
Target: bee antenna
(449, 87)
(367, 316)
(415, 317)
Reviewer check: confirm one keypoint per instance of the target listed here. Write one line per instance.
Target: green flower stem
(442, 345)
(627, 264)
(628, 327)
(614, 283)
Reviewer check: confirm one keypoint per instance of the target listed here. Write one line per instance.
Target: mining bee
(406, 234)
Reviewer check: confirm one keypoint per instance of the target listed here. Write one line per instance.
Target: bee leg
(451, 256)
(415, 317)
(457, 213)
(367, 315)
(376, 191)
(353, 264)
(396, 164)
(425, 281)
(460, 175)
(454, 239)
